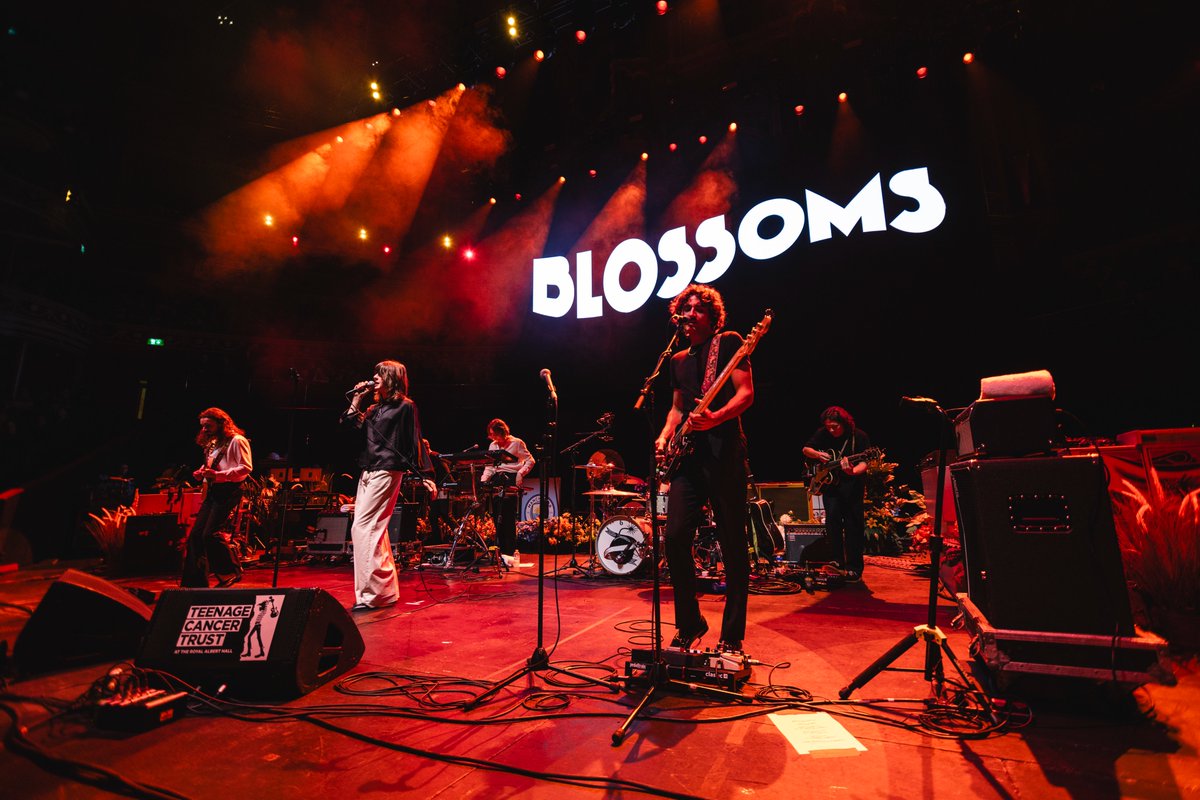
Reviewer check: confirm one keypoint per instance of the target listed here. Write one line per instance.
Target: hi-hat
(611, 493)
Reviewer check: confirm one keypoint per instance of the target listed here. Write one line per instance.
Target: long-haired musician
(227, 462)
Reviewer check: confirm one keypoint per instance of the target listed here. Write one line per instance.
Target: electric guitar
(681, 445)
(828, 473)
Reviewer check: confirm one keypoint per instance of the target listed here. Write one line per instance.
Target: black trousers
(504, 514)
(845, 524)
(721, 483)
(205, 549)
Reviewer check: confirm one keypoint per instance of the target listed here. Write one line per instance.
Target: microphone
(361, 386)
(677, 319)
(545, 373)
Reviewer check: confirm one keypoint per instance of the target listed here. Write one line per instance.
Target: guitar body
(829, 473)
(766, 538)
(678, 449)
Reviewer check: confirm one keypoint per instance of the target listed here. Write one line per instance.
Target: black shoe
(684, 641)
(729, 646)
(852, 576)
(225, 583)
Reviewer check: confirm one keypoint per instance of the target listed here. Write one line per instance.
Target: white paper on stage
(816, 734)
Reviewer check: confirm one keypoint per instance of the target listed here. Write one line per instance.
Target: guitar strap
(710, 368)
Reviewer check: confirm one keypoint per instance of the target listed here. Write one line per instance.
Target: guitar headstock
(758, 330)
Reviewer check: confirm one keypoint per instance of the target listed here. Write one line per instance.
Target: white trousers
(375, 582)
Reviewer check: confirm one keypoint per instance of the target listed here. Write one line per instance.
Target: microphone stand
(656, 669)
(936, 644)
(540, 659)
(287, 497)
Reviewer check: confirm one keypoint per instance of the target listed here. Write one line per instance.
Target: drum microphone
(545, 373)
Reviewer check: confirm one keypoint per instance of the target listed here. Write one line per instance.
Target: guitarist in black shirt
(714, 471)
(838, 439)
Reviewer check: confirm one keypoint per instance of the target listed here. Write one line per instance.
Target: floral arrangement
(1159, 535)
(567, 529)
(894, 514)
(108, 529)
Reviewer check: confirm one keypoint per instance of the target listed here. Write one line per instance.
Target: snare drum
(622, 544)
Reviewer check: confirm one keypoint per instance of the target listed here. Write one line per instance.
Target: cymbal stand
(936, 644)
(474, 539)
(540, 660)
(592, 568)
(656, 671)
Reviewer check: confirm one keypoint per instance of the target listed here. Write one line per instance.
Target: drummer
(508, 477)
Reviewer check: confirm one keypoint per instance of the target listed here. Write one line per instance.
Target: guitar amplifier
(805, 542)
(787, 497)
(330, 535)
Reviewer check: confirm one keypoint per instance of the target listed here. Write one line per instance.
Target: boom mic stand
(656, 670)
(540, 659)
(936, 644)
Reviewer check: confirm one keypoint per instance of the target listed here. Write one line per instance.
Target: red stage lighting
(517, 196)
(592, 173)
(968, 58)
(799, 110)
(703, 140)
(842, 97)
(501, 72)
(295, 241)
(922, 72)
(645, 156)
(539, 55)
(733, 127)
(469, 254)
(387, 249)
(672, 147)
(581, 36)
(661, 7)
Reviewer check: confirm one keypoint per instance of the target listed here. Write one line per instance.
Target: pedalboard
(139, 711)
(722, 670)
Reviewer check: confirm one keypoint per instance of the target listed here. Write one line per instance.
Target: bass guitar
(680, 445)
(829, 472)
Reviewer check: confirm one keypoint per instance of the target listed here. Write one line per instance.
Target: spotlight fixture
(295, 241)
(661, 7)
(387, 249)
(362, 234)
(447, 242)
(968, 58)
(799, 110)
(517, 196)
(491, 201)
(501, 72)
(645, 156)
(539, 55)
(562, 179)
(703, 139)
(842, 97)
(733, 127)
(591, 173)
(672, 147)
(922, 72)
(580, 36)
(268, 220)
(469, 254)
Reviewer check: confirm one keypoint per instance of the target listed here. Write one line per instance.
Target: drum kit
(470, 494)
(619, 501)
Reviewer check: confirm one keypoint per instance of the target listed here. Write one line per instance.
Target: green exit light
(154, 341)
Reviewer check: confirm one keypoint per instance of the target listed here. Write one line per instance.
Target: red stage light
(645, 156)
(581, 36)
(968, 58)
(672, 147)
(387, 248)
(517, 196)
(703, 140)
(922, 72)
(539, 55)
(733, 127)
(592, 172)
(501, 72)
(295, 241)
(491, 201)
(842, 97)
(661, 6)
(799, 110)
(469, 254)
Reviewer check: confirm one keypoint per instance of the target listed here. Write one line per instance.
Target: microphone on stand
(677, 319)
(545, 373)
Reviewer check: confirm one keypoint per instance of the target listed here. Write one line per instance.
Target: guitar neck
(711, 394)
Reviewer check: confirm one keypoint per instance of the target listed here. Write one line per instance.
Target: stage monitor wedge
(81, 620)
(261, 644)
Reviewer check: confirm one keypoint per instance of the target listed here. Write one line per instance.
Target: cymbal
(597, 467)
(611, 493)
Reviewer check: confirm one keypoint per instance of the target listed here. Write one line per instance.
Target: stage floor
(452, 627)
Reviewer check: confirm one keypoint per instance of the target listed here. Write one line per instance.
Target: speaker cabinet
(81, 620)
(402, 527)
(152, 545)
(330, 535)
(805, 542)
(787, 498)
(1039, 545)
(259, 643)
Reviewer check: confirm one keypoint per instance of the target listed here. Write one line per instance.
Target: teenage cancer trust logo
(245, 628)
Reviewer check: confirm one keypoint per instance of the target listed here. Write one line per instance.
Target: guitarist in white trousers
(838, 438)
(714, 471)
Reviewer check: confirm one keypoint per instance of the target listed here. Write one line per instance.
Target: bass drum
(622, 544)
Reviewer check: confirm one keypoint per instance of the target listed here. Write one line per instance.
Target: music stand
(540, 660)
(936, 643)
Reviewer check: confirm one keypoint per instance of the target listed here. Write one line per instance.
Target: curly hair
(395, 380)
(710, 299)
(498, 427)
(838, 414)
(228, 428)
